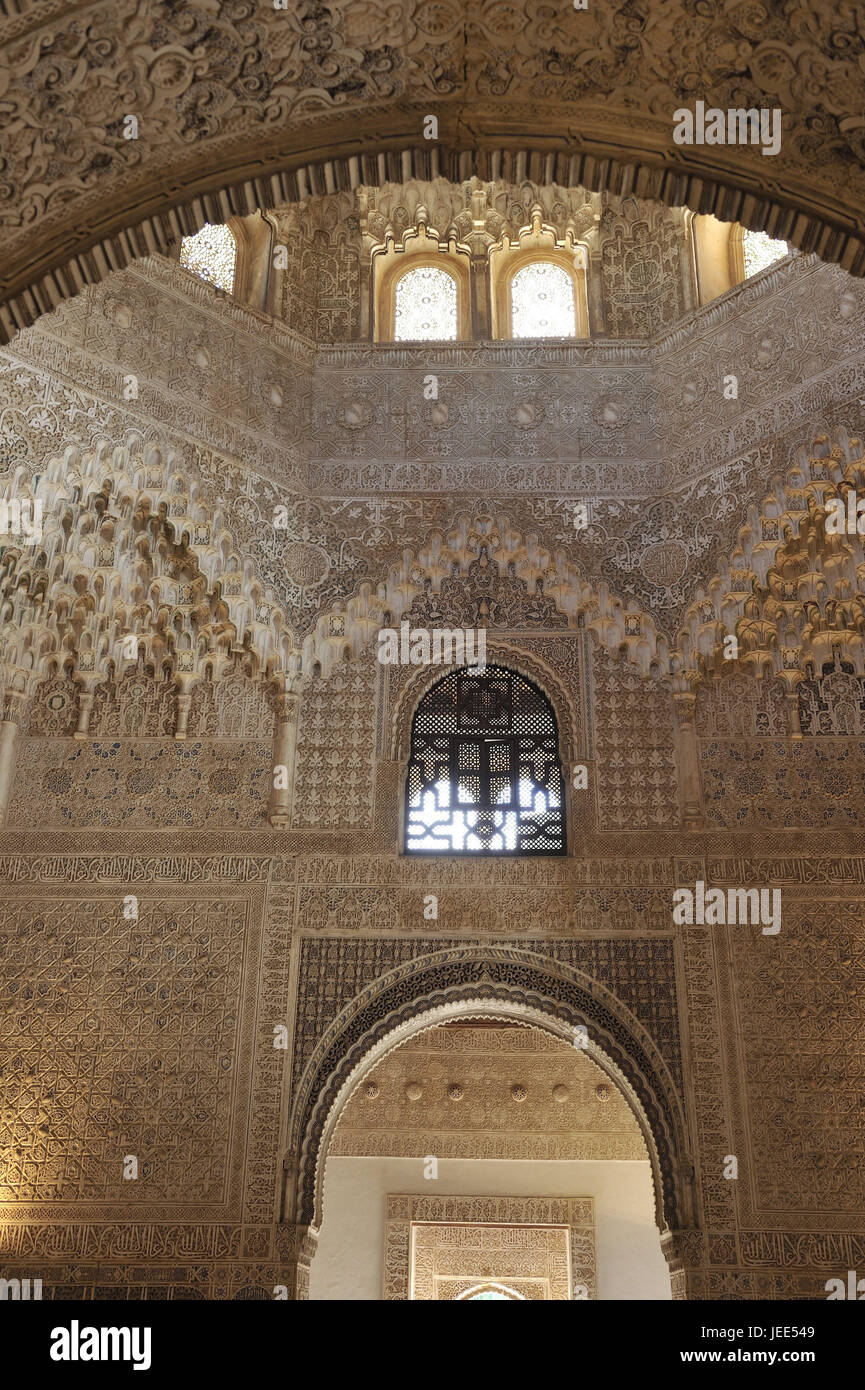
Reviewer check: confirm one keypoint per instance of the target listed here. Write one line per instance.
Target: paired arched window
(212, 255)
(484, 776)
(539, 302)
(425, 306)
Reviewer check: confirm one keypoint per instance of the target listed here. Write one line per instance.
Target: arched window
(542, 302)
(491, 1292)
(212, 255)
(760, 251)
(484, 775)
(425, 305)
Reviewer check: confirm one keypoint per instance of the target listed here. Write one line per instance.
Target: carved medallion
(665, 563)
(305, 563)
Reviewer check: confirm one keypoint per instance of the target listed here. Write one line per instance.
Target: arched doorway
(489, 983)
(485, 1150)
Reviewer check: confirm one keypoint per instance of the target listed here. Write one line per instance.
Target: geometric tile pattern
(120, 1038)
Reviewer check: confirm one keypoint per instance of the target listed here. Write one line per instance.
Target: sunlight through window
(211, 254)
(426, 305)
(542, 302)
(485, 775)
(761, 251)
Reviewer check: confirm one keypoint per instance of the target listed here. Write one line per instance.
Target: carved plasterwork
(740, 706)
(779, 783)
(479, 212)
(702, 520)
(132, 563)
(143, 783)
(641, 973)
(437, 1247)
(334, 784)
(449, 1261)
(556, 1113)
(250, 433)
(514, 984)
(786, 1100)
(159, 346)
(237, 110)
(791, 591)
(833, 701)
(751, 1246)
(634, 755)
(321, 282)
(644, 269)
(163, 1091)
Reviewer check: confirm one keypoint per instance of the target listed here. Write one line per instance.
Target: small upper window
(760, 251)
(542, 302)
(212, 255)
(426, 305)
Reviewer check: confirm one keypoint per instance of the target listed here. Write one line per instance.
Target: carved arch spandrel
(551, 578)
(483, 982)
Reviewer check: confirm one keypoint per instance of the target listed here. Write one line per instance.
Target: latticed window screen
(211, 254)
(485, 775)
(426, 305)
(542, 302)
(761, 251)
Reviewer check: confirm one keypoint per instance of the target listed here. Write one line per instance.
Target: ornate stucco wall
(153, 1034)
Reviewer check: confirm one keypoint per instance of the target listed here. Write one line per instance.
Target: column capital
(685, 1253)
(286, 706)
(685, 704)
(14, 706)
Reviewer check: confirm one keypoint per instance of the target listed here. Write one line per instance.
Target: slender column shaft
(184, 703)
(689, 776)
(85, 710)
(8, 753)
(284, 747)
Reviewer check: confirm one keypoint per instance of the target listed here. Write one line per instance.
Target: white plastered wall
(348, 1263)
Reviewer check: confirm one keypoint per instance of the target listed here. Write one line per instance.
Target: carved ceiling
(241, 105)
(488, 1092)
